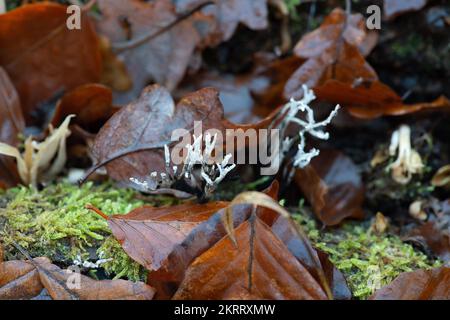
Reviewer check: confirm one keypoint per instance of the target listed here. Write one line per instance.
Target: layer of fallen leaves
(131, 143)
(227, 251)
(40, 279)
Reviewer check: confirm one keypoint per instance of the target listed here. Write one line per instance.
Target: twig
(127, 45)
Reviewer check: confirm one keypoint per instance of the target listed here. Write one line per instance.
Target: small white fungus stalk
(211, 172)
(308, 126)
(408, 161)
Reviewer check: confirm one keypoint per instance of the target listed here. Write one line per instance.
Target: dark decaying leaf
(372, 99)
(394, 8)
(333, 51)
(259, 267)
(333, 186)
(11, 125)
(91, 103)
(434, 235)
(335, 279)
(162, 59)
(229, 13)
(167, 279)
(337, 71)
(26, 280)
(42, 56)
(131, 143)
(149, 234)
(433, 284)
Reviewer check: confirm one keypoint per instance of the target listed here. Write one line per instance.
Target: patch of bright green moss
(54, 223)
(367, 260)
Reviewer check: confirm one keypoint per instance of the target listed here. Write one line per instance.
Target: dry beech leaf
(162, 59)
(114, 73)
(167, 279)
(394, 8)
(334, 278)
(259, 267)
(442, 177)
(12, 124)
(43, 56)
(434, 235)
(368, 100)
(131, 143)
(433, 284)
(149, 234)
(26, 280)
(229, 13)
(333, 51)
(40, 161)
(333, 186)
(200, 239)
(91, 103)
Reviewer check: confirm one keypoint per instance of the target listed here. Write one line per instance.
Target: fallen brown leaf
(129, 25)
(26, 280)
(431, 284)
(334, 278)
(149, 234)
(368, 100)
(335, 50)
(394, 8)
(131, 143)
(42, 56)
(11, 125)
(260, 266)
(333, 186)
(91, 103)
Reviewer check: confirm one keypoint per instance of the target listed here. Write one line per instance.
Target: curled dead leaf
(26, 280)
(442, 177)
(260, 267)
(12, 124)
(149, 234)
(433, 284)
(333, 186)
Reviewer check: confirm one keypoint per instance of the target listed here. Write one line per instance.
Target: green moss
(53, 222)
(367, 260)
(120, 265)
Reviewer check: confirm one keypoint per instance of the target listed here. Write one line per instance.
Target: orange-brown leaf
(43, 56)
(333, 186)
(26, 279)
(149, 234)
(260, 267)
(11, 125)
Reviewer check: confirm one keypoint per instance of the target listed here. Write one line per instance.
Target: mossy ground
(53, 222)
(367, 259)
